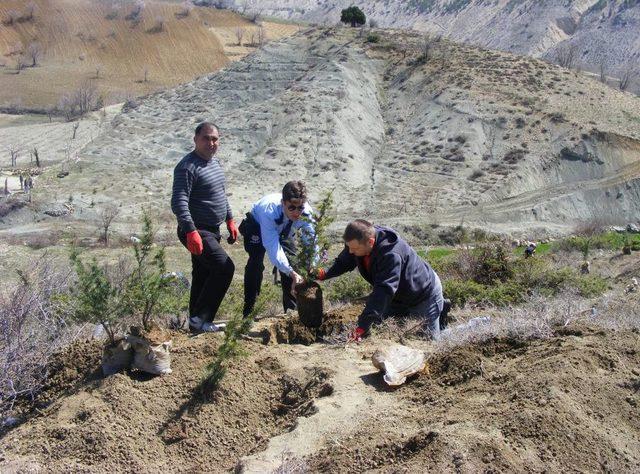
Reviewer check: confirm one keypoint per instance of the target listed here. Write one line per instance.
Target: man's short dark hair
(294, 190)
(202, 125)
(359, 230)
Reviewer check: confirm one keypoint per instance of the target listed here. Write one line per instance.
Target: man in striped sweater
(200, 204)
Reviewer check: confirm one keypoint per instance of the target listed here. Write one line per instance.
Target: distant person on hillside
(403, 284)
(200, 204)
(270, 228)
(530, 250)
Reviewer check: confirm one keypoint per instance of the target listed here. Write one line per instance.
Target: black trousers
(212, 272)
(254, 270)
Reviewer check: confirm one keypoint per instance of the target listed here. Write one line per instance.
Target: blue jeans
(429, 310)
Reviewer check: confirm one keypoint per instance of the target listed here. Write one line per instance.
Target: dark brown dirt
(310, 306)
(291, 331)
(569, 403)
(150, 424)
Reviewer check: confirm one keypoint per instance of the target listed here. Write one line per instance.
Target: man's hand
(194, 243)
(296, 280)
(233, 231)
(357, 335)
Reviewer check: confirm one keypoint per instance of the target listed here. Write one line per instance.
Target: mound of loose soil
(291, 330)
(567, 403)
(139, 423)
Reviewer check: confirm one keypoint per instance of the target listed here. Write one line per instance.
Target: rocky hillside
(602, 30)
(454, 134)
(462, 134)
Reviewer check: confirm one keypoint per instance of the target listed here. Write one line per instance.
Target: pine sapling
(314, 247)
(146, 285)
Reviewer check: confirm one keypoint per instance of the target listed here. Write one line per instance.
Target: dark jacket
(397, 274)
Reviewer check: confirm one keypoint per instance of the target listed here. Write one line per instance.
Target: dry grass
(31, 330)
(81, 37)
(539, 318)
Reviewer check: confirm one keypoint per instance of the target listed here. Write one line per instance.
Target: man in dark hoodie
(403, 284)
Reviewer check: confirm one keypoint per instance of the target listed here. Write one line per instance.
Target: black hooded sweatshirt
(396, 272)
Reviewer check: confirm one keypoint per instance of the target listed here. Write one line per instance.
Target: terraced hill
(465, 135)
(122, 53)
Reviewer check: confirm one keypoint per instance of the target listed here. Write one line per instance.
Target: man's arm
(271, 243)
(183, 180)
(385, 285)
(344, 262)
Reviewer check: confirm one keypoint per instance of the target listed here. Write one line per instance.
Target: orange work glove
(194, 243)
(320, 274)
(233, 231)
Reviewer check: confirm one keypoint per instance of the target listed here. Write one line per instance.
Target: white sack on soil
(153, 359)
(117, 358)
(398, 362)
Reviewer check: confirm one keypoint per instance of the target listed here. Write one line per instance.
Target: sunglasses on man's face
(292, 208)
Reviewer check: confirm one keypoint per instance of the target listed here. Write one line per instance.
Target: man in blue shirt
(270, 227)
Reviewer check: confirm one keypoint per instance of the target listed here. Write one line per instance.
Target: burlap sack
(151, 358)
(117, 357)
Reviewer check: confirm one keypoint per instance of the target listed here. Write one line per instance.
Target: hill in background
(123, 53)
(602, 33)
(403, 136)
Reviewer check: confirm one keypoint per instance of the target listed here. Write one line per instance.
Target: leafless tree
(603, 72)
(158, 26)
(629, 75)
(427, 46)
(239, 35)
(146, 74)
(16, 48)
(99, 68)
(243, 8)
(256, 16)
(30, 11)
(107, 214)
(34, 52)
(76, 125)
(14, 151)
(262, 35)
(21, 63)
(79, 102)
(566, 55)
(33, 326)
(13, 16)
(37, 157)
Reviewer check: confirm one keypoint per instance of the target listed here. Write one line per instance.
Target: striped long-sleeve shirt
(199, 199)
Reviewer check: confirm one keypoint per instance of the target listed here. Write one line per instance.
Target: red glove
(194, 243)
(233, 231)
(356, 335)
(321, 274)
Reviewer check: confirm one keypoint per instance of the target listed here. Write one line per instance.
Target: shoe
(195, 324)
(212, 327)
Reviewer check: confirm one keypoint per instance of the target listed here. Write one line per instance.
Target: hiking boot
(444, 314)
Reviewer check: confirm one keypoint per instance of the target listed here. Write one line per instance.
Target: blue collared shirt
(269, 213)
